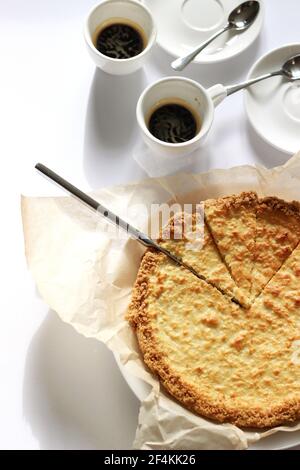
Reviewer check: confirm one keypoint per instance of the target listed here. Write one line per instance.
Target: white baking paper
(87, 277)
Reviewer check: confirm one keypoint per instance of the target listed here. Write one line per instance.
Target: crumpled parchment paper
(86, 276)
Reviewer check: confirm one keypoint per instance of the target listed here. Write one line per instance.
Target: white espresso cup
(129, 11)
(169, 90)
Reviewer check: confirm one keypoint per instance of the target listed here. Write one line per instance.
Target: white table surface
(59, 390)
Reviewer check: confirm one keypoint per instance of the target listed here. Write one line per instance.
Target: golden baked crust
(211, 355)
(218, 359)
(277, 235)
(232, 222)
(200, 252)
(281, 297)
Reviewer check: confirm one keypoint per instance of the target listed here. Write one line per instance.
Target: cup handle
(217, 93)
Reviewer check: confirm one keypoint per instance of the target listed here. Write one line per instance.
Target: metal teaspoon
(289, 70)
(240, 19)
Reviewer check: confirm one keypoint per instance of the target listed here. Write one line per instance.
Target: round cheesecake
(227, 362)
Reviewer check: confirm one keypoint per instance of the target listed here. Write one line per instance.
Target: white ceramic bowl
(121, 9)
(202, 101)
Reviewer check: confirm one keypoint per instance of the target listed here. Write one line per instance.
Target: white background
(58, 389)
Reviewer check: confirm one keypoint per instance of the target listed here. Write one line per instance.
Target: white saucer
(273, 106)
(184, 24)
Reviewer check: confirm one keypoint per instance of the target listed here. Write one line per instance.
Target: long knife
(119, 222)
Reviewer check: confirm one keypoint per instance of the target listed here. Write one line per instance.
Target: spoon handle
(180, 63)
(234, 88)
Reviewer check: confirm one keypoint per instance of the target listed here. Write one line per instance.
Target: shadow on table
(267, 155)
(227, 72)
(111, 130)
(110, 126)
(73, 392)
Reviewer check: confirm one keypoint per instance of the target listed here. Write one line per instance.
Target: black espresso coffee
(173, 122)
(119, 39)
